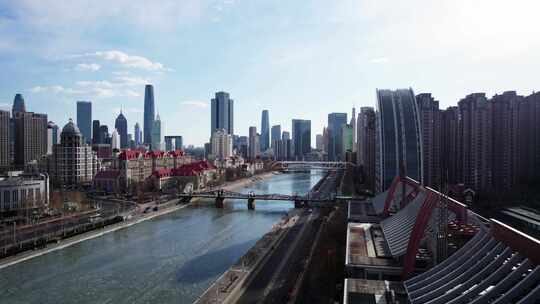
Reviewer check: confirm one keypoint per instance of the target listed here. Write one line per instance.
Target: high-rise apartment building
(430, 122)
(254, 143)
(73, 161)
(221, 145)
(265, 131)
(276, 134)
(505, 136)
(529, 141)
(4, 140)
(222, 113)
(399, 137)
(121, 125)
(336, 121)
(156, 134)
(30, 137)
(476, 141)
(149, 114)
(84, 119)
(301, 138)
(366, 126)
(450, 141)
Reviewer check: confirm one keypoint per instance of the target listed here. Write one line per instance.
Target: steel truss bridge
(306, 165)
(309, 199)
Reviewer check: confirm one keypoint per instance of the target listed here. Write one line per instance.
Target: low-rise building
(199, 174)
(135, 166)
(19, 191)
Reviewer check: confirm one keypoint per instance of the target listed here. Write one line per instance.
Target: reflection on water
(169, 259)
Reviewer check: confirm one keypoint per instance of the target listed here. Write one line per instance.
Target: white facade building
(221, 144)
(21, 191)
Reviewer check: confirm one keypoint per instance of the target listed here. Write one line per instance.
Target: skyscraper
(336, 121)
(178, 143)
(222, 113)
(301, 138)
(254, 143)
(96, 139)
(104, 134)
(73, 161)
(366, 144)
(476, 144)
(430, 122)
(505, 140)
(121, 125)
(18, 104)
(346, 139)
(53, 136)
(276, 134)
(287, 145)
(84, 119)
(137, 134)
(319, 142)
(399, 137)
(30, 134)
(265, 131)
(354, 130)
(4, 139)
(450, 147)
(149, 113)
(156, 134)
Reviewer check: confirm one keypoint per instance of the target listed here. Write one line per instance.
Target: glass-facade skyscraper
(84, 119)
(398, 137)
(336, 121)
(265, 131)
(149, 114)
(301, 138)
(121, 126)
(222, 113)
(275, 134)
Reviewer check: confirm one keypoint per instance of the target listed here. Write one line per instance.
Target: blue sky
(298, 59)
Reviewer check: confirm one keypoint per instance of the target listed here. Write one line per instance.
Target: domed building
(73, 162)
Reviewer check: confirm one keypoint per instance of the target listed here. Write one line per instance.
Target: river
(169, 259)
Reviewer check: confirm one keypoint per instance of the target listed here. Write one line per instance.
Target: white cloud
(379, 60)
(87, 67)
(56, 89)
(195, 103)
(4, 105)
(125, 60)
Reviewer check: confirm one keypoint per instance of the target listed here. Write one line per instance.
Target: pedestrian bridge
(308, 165)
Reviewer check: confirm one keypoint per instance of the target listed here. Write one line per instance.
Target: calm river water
(169, 259)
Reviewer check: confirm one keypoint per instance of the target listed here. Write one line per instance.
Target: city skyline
(353, 43)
